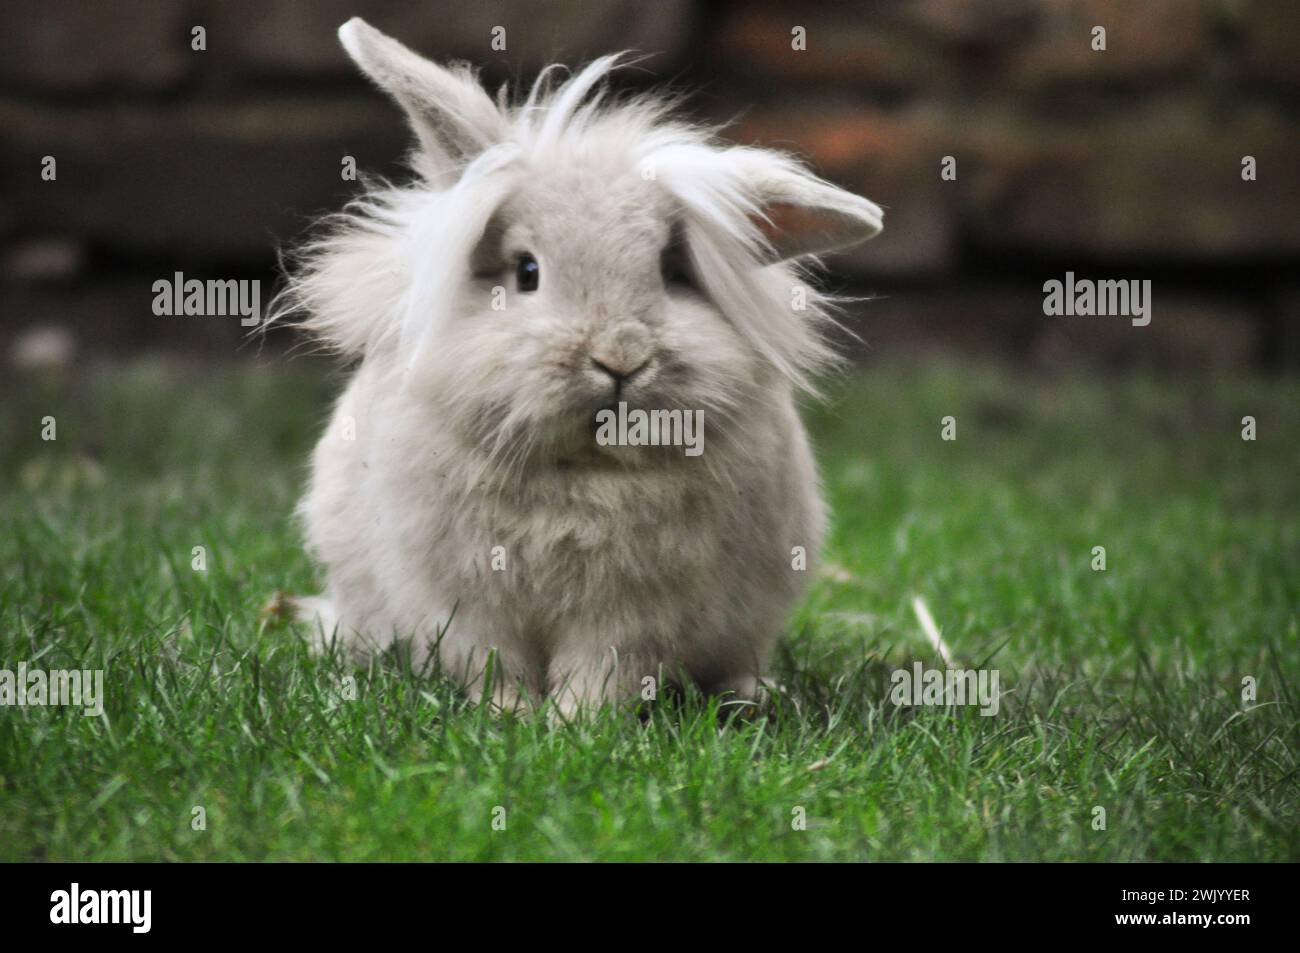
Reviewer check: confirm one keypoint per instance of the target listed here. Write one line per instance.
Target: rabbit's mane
(368, 284)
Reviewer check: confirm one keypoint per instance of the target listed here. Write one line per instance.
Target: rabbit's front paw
(316, 613)
(505, 698)
(586, 683)
(747, 695)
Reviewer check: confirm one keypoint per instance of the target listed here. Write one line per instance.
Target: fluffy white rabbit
(556, 257)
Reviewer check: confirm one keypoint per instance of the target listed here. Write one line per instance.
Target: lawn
(1122, 689)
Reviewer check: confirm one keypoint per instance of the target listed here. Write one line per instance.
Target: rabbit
(554, 258)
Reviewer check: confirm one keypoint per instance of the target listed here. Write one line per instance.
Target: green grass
(1122, 689)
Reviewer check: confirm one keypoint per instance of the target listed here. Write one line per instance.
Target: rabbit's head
(568, 252)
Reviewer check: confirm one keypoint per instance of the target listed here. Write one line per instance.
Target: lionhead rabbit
(556, 258)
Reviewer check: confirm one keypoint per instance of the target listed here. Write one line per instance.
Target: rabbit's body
(559, 260)
(593, 575)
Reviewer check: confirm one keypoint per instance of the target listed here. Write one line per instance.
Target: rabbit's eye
(675, 268)
(527, 273)
(674, 260)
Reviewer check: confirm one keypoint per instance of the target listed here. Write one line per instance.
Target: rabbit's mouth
(591, 460)
(581, 450)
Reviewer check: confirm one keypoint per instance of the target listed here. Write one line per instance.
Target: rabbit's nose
(620, 371)
(621, 351)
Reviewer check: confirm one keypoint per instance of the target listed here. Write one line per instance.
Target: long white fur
(470, 427)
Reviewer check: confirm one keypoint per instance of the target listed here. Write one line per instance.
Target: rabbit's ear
(802, 214)
(453, 117)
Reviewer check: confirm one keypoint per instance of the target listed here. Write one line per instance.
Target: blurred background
(1123, 164)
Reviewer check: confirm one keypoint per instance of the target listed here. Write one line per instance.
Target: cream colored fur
(458, 497)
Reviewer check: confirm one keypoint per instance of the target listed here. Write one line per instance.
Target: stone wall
(1122, 163)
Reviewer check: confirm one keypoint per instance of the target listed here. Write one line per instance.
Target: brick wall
(1118, 164)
